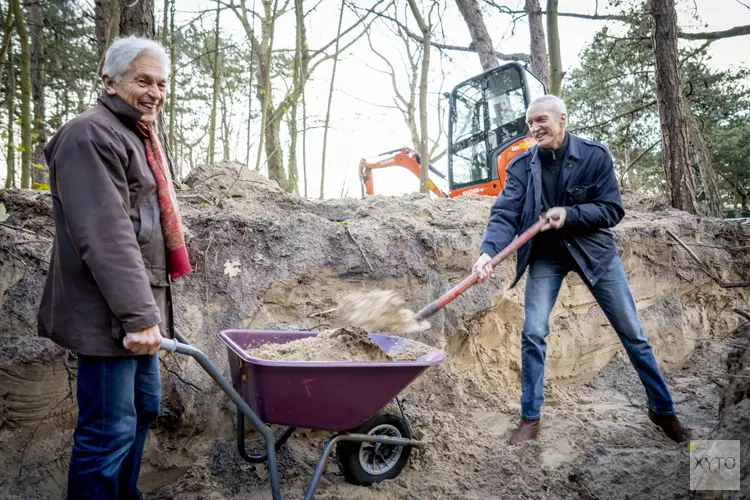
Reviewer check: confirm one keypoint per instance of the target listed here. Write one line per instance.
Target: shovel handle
(457, 290)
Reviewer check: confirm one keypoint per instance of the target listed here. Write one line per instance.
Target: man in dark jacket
(118, 242)
(571, 183)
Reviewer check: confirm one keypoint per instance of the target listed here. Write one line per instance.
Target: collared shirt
(549, 244)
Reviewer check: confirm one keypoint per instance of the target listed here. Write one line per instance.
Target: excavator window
(487, 113)
(536, 88)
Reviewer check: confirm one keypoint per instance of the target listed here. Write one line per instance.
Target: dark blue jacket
(588, 189)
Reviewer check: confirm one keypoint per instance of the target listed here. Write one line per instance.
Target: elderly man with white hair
(570, 182)
(118, 245)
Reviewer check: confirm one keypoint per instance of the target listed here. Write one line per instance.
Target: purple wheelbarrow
(345, 398)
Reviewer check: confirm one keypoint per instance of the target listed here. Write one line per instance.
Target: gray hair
(551, 101)
(122, 52)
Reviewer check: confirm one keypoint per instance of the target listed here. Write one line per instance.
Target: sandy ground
(596, 442)
(298, 258)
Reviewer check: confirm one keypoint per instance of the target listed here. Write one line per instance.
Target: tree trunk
(713, 205)
(107, 16)
(553, 43)
(101, 25)
(426, 29)
(215, 95)
(137, 18)
(165, 25)
(674, 124)
(424, 172)
(539, 59)
(263, 86)
(304, 143)
(39, 176)
(226, 129)
(328, 109)
(10, 103)
(172, 79)
(297, 78)
(7, 32)
(410, 113)
(481, 41)
(25, 80)
(274, 157)
(293, 185)
(249, 111)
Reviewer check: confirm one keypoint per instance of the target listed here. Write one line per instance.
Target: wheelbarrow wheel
(367, 463)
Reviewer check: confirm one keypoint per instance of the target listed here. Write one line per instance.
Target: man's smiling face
(546, 125)
(143, 86)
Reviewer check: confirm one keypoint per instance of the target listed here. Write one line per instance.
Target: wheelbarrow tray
(327, 395)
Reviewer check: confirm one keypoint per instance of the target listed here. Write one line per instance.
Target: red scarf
(178, 263)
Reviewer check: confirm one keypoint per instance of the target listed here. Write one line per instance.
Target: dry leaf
(232, 269)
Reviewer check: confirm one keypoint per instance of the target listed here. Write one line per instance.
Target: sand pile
(340, 344)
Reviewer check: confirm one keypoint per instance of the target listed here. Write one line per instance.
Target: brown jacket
(107, 275)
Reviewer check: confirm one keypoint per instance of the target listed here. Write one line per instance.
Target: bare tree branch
(314, 8)
(615, 118)
(9, 24)
(350, 28)
(637, 159)
(419, 39)
(391, 71)
(595, 16)
(708, 35)
(341, 49)
(716, 35)
(704, 268)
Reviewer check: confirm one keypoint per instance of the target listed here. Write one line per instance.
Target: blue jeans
(118, 398)
(612, 293)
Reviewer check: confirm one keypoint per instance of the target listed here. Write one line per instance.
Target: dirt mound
(734, 410)
(265, 259)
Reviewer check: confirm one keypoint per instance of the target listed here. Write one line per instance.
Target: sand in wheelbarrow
(339, 344)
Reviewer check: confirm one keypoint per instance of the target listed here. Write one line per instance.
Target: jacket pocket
(157, 275)
(118, 332)
(581, 193)
(149, 218)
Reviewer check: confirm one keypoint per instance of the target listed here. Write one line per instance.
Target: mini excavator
(486, 130)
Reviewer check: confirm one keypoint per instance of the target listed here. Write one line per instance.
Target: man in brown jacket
(118, 244)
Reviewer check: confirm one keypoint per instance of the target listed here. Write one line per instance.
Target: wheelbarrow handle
(180, 345)
(168, 345)
(457, 290)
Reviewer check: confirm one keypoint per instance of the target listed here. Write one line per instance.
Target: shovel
(419, 323)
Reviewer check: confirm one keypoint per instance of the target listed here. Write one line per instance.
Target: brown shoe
(671, 426)
(526, 431)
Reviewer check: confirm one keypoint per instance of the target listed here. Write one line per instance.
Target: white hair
(123, 50)
(551, 101)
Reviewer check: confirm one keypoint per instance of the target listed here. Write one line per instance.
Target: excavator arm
(404, 157)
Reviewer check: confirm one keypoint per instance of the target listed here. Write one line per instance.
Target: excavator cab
(486, 130)
(487, 127)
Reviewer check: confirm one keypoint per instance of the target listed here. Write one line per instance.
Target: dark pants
(118, 398)
(612, 293)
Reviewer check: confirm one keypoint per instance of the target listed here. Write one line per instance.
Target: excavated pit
(298, 258)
